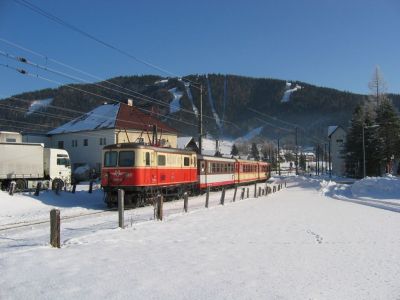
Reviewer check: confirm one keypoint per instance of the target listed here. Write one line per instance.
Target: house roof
(109, 116)
(331, 130)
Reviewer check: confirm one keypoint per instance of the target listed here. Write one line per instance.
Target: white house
(85, 136)
(337, 139)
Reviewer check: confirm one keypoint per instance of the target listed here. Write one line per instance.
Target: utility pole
(201, 119)
(329, 159)
(363, 145)
(278, 161)
(326, 164)
(297, 160)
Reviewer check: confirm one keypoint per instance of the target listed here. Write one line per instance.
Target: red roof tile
(130, 117)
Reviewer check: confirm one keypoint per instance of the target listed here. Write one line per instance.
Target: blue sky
(327, 43)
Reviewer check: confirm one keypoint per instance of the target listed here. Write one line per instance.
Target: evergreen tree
(254, 151)
(389, 131)
(234, 150)
(302, 161)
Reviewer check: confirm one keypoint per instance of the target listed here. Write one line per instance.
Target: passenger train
(144, 171)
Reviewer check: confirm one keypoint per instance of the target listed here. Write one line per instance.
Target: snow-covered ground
(38, 105)
(299, 243)
(175, 104)
(289, 91)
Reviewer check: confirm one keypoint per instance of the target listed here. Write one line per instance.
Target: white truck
(28, 164)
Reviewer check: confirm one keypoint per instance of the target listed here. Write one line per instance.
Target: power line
(24, 72)
(146, 98)
(72, 27)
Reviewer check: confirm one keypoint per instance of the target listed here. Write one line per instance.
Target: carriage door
(147, 168)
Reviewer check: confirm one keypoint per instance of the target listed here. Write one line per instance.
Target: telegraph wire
(72, 27)
(146, 98)
(24, 72)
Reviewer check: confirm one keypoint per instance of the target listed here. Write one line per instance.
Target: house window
(60, 145)
(85, 142)
(339, 141)
(102, 141)
(74, 143)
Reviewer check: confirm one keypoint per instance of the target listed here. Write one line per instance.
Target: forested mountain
(232, 105)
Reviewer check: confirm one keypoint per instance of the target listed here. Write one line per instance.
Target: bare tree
(378, 87)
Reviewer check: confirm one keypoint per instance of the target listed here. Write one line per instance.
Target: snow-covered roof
(183, 141)
(101, 117)
(331, 129)
(108, 116)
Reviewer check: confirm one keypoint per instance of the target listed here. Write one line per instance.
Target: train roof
(143, 146)
(215, 158)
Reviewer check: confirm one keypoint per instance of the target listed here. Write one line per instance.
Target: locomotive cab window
(110, 159)
(186, 161)
(161, 160)
(147, 158)
(126, 158)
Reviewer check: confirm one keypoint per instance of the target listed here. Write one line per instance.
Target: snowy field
(311, 240)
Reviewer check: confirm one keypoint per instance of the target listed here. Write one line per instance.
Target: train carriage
(264, 171)
(246, 171)
(215, 171)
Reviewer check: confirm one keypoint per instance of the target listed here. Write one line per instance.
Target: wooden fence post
(121, 197)
(285, 183)
(58, 187)
(255, 190)
(159, 207)
(55, 228)
(73, 188)
(13, 184)
(38, 187)
(91, 186)
(248, 192)
(185, 201)
(242, 195)
(223, 196)
(207, 196)
(234, 194)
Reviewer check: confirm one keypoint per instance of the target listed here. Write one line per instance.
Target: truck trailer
(28, 164)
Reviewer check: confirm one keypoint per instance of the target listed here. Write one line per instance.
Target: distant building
(85, 136)
(188, 143)
(10, 137)
(42, 138)
(337, 139)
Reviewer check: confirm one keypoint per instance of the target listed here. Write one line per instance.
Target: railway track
(16, 225)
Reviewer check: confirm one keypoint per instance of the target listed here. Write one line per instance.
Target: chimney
(130, 102)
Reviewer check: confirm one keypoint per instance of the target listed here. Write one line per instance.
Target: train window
(186, 161)
(126, 159)
(147, 158)
(110, 159)
(226, 168)
(161, 160)
(214, 168)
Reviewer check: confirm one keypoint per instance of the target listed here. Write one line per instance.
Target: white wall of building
(338, 140)
(80, 153)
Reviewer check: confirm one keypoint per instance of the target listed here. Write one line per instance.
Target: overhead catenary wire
(72, 27)
(81, 90)
(45, 68)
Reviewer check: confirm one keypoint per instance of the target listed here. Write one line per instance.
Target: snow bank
(377, 187)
